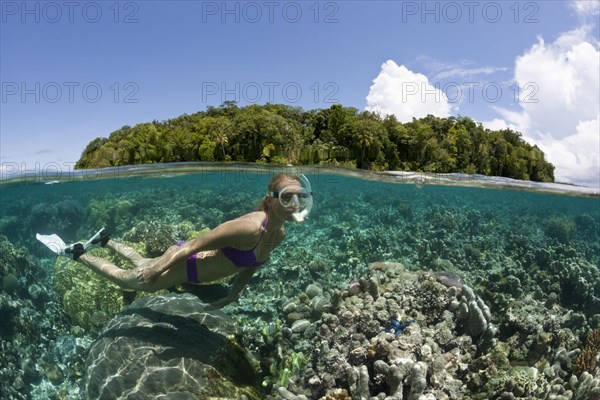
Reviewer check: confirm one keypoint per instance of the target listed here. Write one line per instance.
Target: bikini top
(245, 258)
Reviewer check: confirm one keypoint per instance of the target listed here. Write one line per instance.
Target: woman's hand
(146, 275)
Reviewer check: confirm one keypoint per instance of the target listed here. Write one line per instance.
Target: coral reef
(587, 360)
(561, 229)
(62, 217)
(113, 214)
(89, 300)
(33, 329)
(348, 346)
(453, 349)
(156, 237)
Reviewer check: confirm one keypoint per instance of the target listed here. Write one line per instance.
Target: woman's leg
(124, 278)
(128, 253)
(128, 278)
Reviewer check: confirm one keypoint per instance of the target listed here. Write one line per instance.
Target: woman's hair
(274, 186)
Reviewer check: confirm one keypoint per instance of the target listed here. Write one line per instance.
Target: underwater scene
(392, 288)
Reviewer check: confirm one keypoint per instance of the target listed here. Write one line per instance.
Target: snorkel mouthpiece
(299, 216)
(307, 201)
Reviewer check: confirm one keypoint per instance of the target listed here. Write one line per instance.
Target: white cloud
(560, 99)
(467, 73)
(497, 124)
(465, 69)
(406, 94)
(518, 119)
(576, 157)
(586, 7)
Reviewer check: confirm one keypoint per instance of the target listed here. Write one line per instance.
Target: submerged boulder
(168, 347)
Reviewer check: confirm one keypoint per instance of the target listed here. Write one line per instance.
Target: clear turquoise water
(481, 234)
(352, 217)
(354, 221)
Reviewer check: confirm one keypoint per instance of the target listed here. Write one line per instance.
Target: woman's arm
(243, 278)
(240, 282)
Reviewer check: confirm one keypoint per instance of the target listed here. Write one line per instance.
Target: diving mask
(298, 197)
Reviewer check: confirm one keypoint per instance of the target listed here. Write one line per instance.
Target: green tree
(337, 136)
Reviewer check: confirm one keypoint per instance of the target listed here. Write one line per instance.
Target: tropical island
(337, 136)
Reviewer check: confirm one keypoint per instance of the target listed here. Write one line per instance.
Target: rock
(386, 266)
(373, 287)
(66, 348)
(30, 374)
(393, 378)
(314, 382)
(10, 283)
(426, 352)
(34, 291)
(300, 325)
(18, 383)
(417, 381)
(54, 374)
(353, 288)
(295, 316)
(477, 321)
(287, 395)
(358, 379)
(289, 307)
(463, 311)
(313, 290)
(169, 344)
(318, 305)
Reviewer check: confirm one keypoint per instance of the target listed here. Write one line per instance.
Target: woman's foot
(75, 250)
(98, 240)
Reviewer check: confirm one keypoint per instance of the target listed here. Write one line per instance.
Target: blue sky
(74, 71)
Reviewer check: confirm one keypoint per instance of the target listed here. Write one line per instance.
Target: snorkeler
(238, 246)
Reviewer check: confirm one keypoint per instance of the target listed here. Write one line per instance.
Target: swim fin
(58, 246)
(53, 242)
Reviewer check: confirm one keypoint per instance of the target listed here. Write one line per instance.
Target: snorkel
(308, 201)
(306, 190)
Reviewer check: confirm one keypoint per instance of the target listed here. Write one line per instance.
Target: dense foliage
(280, 134)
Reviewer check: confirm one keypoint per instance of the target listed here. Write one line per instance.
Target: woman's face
(288, 202)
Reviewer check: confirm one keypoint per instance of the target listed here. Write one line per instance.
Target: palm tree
(364, 139)
(220, 137)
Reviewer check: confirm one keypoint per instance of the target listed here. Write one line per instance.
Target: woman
(238, 246)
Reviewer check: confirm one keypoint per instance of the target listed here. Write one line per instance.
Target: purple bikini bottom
(192, 272)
